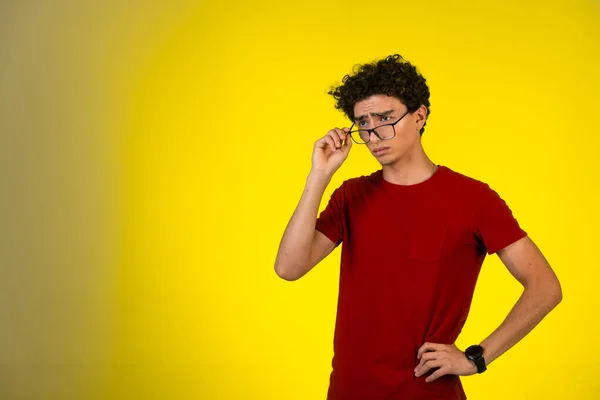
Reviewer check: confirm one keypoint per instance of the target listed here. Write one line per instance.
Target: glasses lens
(385, 131)
(360, 137)
(364, 136)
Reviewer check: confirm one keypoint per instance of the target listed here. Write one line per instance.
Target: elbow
(553, 293)
(286, 273)
(558, 295)
(548, 291)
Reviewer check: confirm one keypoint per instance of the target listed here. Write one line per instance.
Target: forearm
(533, 305)
(294, 250)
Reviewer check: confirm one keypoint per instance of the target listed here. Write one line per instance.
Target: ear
(420, 116)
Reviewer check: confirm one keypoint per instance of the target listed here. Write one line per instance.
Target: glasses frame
(373, 130)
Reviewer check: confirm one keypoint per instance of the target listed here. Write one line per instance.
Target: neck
(409, 172)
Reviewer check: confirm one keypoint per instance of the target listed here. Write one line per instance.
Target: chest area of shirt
(424, 228)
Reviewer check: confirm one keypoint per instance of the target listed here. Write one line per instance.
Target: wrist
(318, 177)
(475, 354)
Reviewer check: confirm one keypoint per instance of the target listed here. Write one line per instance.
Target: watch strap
(480, 364)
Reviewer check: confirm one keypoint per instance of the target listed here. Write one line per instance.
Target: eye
(362, 123)
(386, 118)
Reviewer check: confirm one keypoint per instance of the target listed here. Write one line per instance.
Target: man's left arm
(542, 292)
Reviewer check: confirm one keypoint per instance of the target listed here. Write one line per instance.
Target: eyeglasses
(383, 132)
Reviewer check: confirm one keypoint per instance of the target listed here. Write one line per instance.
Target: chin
(385, 161)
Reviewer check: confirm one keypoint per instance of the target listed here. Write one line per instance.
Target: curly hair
(392, 76)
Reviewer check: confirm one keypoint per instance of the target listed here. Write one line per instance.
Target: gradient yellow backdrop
(152, 153)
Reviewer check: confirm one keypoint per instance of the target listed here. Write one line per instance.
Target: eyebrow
(381, 114)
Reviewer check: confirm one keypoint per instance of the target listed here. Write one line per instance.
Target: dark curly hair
(392, 76)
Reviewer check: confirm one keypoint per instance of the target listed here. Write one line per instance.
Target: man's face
(381, 109)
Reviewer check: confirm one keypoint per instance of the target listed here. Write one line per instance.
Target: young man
(414, 235)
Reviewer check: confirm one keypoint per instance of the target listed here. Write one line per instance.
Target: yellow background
(152, 153)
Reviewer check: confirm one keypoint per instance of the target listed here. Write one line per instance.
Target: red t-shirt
(410, 259)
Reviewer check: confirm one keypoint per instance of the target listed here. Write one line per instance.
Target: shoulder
(353, 189)
(478, 196)
(363, 181)
(466, 184)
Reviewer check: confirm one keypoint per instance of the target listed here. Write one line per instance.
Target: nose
(373, 137)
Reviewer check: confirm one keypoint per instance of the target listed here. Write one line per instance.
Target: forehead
(377, 103)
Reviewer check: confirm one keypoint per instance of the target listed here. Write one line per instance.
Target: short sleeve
(494, 224)
(332, 222)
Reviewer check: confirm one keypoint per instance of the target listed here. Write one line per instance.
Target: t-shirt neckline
(393, 187)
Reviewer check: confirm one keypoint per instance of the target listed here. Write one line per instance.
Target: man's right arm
(302, 246)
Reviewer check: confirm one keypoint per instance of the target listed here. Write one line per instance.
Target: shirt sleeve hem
(329, 234)
(520, 235)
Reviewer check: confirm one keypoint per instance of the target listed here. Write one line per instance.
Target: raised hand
(331, 151)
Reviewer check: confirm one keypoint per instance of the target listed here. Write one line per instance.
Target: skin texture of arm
(302, 247)
(542, 292)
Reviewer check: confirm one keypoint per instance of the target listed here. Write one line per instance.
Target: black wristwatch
(475, 354)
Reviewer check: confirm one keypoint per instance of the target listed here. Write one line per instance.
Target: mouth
(379, 151)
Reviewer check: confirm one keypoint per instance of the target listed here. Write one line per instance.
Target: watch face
(474, 351)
